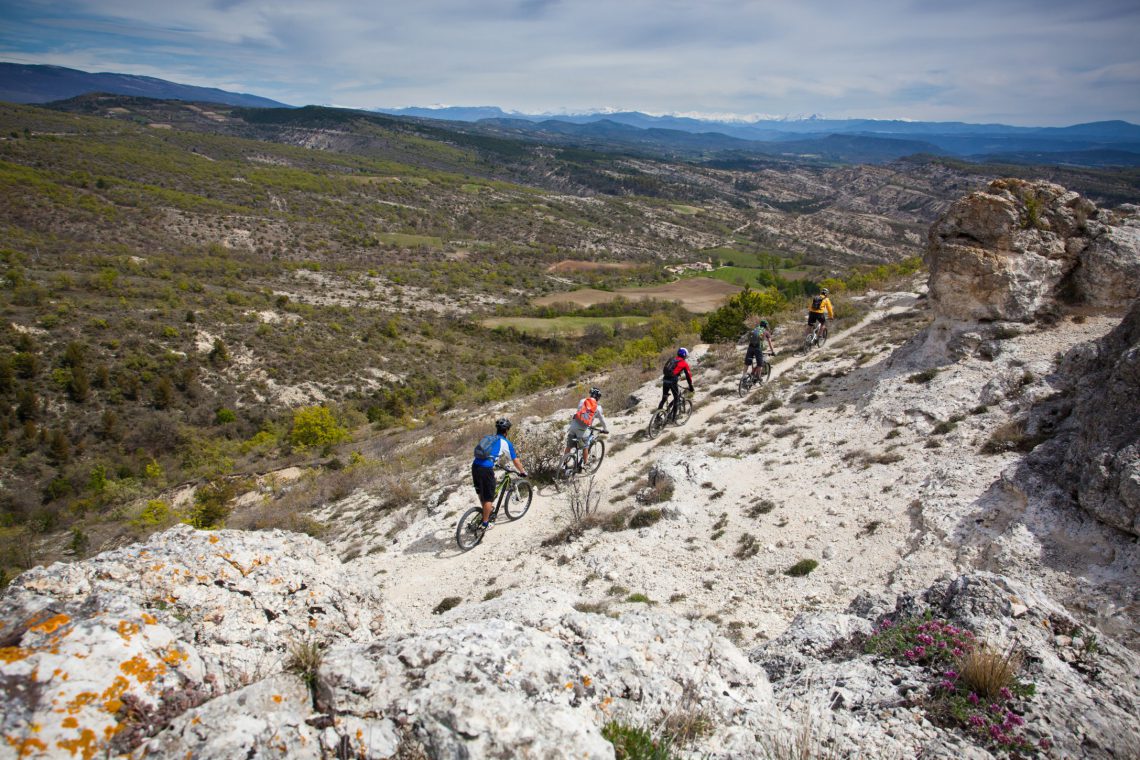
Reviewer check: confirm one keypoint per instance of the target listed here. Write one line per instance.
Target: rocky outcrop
(1086, 691)
(1012, 251)
(1096, 453)
(94, 651)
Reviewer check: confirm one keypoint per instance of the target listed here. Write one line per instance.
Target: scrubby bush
(315, 427)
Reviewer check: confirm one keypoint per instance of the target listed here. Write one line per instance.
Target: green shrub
(315, 427)
(156, 512)
(644, 518)
(632, 743)
(801, 568)
(923, 377)
(446, 604)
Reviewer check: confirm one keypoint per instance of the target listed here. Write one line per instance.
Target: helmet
(595, 393)
(825, 291)
(763, 323)
(682, 352)
(502, 425)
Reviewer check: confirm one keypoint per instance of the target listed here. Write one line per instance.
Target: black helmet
(502, 425)
(595, 393)
(763, 323)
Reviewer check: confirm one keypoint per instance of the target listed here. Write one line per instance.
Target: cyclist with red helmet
(671, 382)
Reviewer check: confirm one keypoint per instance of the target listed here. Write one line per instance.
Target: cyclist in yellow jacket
(820, 311)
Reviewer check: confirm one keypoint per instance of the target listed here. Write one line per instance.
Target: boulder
(97, 651)
(1012, 251)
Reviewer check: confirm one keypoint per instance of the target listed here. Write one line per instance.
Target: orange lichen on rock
(149, 619)
(140, 668)
(174, 657)
(8, 655)
(213, 539)
(70, 722)
(277, 698)
(127, 629)
(81, 700)
(111, 701)
(25, 746)
(85, 744)
(51, 625)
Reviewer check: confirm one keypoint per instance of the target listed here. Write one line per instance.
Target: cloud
(1044, 61)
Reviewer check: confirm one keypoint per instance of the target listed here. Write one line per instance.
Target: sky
(1022, 62)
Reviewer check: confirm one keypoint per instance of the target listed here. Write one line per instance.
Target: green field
(411, 241)
(575, 326)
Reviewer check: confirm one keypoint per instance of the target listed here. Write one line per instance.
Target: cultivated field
(576, 265)
(699, 295)
(570, 326)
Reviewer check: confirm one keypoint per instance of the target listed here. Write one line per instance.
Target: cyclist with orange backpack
(589, 415)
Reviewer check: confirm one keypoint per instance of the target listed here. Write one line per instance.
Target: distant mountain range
(861, 140)
(20, 83)
(814, 139)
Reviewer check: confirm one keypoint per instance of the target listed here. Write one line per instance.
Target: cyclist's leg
(484, 479)
(664, 395)
(675, 388)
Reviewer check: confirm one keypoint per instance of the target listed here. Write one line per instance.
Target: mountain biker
(755, 350)
(589, 415)
(672, 379)
(492, 447)
(820, 311)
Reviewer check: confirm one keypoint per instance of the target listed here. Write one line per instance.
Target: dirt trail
(423, 568)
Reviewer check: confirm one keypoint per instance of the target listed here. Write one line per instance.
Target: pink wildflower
(977, 720)
(973, 698)
(1006, 693)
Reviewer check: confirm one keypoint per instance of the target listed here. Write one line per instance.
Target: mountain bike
(677, 413)
(748, 380)
(814, 339)
(593, 452)
(513, 494)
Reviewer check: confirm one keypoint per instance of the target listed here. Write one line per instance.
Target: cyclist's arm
(830, 311)
(768, 336)
(689, 378)
(599, 419)
(519, 466)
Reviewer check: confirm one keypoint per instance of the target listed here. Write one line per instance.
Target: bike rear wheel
(470, 531)
(518, 499)
(568, 466)
(657, 423)
(596, 453)
(684, 410)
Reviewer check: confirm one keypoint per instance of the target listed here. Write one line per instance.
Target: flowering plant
(972, 686)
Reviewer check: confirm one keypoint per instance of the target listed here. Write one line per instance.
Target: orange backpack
(586, 411)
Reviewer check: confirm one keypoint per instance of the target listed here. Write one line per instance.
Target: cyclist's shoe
(488, 525)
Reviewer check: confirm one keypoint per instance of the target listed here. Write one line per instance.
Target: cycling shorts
(814, 317)
(484, 480)
(754, 354)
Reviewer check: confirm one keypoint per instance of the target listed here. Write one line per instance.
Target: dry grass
(986, 671)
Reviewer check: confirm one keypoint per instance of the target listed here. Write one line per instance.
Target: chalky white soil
(858, 478)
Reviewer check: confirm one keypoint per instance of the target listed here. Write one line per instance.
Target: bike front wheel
(684, 410)
(822, 338)
(657, 423)
(766, 372)
(518, 499)
(595, 454)
(744, 385)
(470, 531)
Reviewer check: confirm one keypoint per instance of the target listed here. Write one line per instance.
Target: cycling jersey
(496, 450)
(678, 367)
(821, 305)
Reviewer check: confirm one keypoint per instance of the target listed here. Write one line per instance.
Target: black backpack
(485, 446)
(670, 368)
(817, 303)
